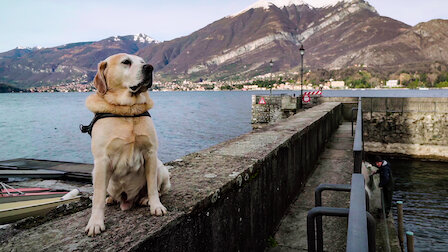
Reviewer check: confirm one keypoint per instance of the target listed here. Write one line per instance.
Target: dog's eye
(126, 62)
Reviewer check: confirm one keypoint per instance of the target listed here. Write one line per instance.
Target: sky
(49, 23)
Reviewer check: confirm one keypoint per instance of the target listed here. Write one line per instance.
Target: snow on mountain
(265, 4)
(29, 48)
(143, 38)
(325, 3)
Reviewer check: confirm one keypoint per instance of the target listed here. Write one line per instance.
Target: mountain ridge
(339, 35)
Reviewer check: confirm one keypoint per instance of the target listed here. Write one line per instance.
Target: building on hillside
(336, 84)
(392, 83)
(251, 87)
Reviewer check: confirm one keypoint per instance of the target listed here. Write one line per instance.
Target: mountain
(416, 47)
(76, 62)
(244, 43)
(335, 35)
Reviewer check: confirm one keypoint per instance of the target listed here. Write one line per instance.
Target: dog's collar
(88, 128)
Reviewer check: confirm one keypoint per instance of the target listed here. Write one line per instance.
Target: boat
(19, 203)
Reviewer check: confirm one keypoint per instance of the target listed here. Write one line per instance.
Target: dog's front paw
(95, 226)
(157, 209)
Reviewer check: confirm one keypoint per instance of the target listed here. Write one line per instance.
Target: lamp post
(302, 52)
(271, 63)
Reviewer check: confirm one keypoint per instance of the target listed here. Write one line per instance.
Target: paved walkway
(335, 167)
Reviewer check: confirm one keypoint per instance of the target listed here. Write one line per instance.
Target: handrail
(318, 212)
(314, 219)
(361, 224)
(358, 145)
(318, 203)
(357, 237)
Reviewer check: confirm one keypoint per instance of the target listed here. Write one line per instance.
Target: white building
(392, 83)
(337, 84)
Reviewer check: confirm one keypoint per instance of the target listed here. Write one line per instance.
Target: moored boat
(19, 203)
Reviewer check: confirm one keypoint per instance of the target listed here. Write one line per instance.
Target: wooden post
(410, 241)
(400, 223)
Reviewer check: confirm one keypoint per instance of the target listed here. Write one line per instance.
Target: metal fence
(361, 224)
(358, 143)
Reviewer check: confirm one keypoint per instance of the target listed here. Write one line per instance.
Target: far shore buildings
(335, 84)
(392, 83)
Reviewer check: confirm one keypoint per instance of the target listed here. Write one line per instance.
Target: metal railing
(358, 143)
(314, 218)
(357, 237)
(361, 224)
(318, 203)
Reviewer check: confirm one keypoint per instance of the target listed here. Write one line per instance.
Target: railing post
(410, 241)
(310, 222)
(371, 226)
(400, 223)
(353, 109)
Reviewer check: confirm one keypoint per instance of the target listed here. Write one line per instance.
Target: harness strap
(98, 116)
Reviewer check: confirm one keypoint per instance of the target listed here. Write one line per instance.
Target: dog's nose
(147, 68)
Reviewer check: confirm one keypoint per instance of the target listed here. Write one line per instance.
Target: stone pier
(272, 108)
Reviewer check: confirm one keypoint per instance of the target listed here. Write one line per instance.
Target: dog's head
(123, 73)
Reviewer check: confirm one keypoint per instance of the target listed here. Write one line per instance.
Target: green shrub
(442, 84)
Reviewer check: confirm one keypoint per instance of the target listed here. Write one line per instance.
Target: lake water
(46, 125)
(423, 188)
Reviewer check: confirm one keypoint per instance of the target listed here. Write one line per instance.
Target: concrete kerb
(235, 210)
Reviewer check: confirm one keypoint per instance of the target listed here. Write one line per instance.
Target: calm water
(45, 125)
(423, 188)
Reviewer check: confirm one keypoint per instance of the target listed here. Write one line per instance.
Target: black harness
(88, 128)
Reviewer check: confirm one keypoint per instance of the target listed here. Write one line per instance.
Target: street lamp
(271, 63)
(302, 52)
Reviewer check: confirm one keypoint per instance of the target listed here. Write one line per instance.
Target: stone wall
(416, 127)
(277, 107)
(407, 128)
(269, 112)
(230, 197)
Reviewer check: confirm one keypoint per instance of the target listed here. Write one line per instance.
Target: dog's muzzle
(146, 83)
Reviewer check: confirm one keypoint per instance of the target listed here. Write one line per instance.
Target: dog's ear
(100, 80)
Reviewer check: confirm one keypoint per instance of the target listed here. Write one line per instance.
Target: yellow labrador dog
(124, 146)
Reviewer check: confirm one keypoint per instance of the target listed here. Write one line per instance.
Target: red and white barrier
(313, 93)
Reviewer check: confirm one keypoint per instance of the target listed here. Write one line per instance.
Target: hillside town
(209, 86)
(356, 76)
(277, 81)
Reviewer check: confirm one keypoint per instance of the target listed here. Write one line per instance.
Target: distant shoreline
(5, 88)
(348, 92)
(292, 90)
